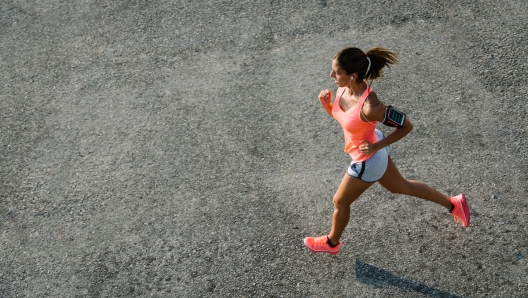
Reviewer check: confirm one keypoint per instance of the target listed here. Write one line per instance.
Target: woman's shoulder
(373, 100)
(373, 107)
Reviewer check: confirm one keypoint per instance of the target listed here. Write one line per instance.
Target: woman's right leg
(393, 181)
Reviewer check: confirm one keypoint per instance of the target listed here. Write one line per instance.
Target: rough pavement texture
(178, 149)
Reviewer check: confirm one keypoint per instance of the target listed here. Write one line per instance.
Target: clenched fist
(325, 97)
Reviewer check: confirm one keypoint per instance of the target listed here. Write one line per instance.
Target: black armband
(393, 117)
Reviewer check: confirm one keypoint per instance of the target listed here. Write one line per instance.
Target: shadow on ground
(379, 278)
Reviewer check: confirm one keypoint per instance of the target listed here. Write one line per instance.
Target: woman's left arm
(375, 110)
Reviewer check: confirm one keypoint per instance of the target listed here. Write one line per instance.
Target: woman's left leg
(348, 191)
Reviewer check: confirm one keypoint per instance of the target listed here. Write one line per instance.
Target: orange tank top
(354, 128)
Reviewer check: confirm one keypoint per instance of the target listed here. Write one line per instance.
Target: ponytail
(368, 65)
(379, 58)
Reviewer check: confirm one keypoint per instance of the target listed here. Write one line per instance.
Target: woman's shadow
(379, 278)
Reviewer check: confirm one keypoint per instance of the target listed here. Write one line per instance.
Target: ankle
(330, 242)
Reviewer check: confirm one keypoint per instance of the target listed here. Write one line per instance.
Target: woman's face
(340, 77)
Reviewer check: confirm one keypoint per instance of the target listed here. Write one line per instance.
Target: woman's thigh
(349, 190)
(392, 180)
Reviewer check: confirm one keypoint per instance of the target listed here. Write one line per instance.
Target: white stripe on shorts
(372, 169)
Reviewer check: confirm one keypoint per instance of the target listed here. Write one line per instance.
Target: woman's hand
(368, 148)
(325, 97)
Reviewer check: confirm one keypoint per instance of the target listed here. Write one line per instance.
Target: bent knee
(402, 188)
(341, 202)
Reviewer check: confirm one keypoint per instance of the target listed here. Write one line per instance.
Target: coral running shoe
(320, 244)
(461, 210)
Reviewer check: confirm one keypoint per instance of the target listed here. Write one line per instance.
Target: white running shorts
(372, 169)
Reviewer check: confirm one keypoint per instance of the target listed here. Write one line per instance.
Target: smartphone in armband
(393, 117)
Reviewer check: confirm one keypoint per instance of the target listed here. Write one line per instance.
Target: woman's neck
(357, 88)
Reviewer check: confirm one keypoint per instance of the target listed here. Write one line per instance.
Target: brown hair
(353, 60)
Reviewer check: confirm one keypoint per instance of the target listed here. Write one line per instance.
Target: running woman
(358, 109)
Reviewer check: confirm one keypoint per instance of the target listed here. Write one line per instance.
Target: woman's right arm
(325, 97)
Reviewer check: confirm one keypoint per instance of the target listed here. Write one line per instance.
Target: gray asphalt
(178, 149)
